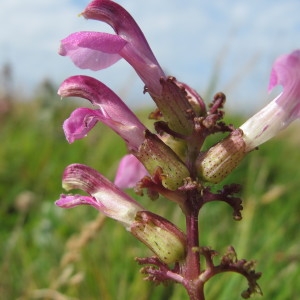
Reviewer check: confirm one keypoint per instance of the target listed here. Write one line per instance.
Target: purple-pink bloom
(112, 111)
(103, 194)
(97, 50)
(284, 109)
(129, 172)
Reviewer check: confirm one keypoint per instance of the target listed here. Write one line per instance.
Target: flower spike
(168, 161)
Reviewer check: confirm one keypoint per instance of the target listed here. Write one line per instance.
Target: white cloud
(188, 37)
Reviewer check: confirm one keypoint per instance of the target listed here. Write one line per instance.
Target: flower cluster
(170, 161)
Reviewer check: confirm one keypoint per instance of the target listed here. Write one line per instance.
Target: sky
(224, 45)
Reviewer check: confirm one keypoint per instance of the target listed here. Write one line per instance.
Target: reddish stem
(191, 269)
(193, 257)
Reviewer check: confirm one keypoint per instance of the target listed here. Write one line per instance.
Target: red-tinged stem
(193, 257)
(193, 286)
(192, 266)
(196, 292)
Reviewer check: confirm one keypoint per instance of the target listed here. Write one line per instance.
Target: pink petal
(70, 201)
(112, 111)
(80, 122)
(137, 51)
(104, 195)
(286, 72)
(284, 109)
(92, 50)
(284, 68)
(129, 172)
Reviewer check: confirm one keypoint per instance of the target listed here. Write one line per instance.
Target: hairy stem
(195, 292)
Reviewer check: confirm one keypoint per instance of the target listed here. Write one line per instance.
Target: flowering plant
(170, 161)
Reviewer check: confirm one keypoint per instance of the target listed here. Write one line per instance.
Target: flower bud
(220, 160)
(160, 235)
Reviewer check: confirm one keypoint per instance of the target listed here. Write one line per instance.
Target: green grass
(36, 236)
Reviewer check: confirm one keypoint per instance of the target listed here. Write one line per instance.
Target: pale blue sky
(236, 40)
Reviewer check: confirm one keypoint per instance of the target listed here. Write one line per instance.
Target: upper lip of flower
(96, 50)
(112, 111)
(285, 108)
(286, 72)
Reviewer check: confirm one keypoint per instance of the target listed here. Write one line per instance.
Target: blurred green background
(50, 253)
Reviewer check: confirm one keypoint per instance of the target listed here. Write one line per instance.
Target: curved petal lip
(92, 50)
(69, 201)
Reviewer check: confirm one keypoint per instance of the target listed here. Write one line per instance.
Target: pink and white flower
(219, 161)
(284, 109)
(103, 194)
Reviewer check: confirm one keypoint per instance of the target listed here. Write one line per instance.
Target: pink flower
(103, 194)
(130, 171)
(157, 233)
(148, 148)
(112, 111)
(98, 50)
(219, 161)
(284, 109)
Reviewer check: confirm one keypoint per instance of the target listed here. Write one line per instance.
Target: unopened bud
(160, 235)
(221, 159)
